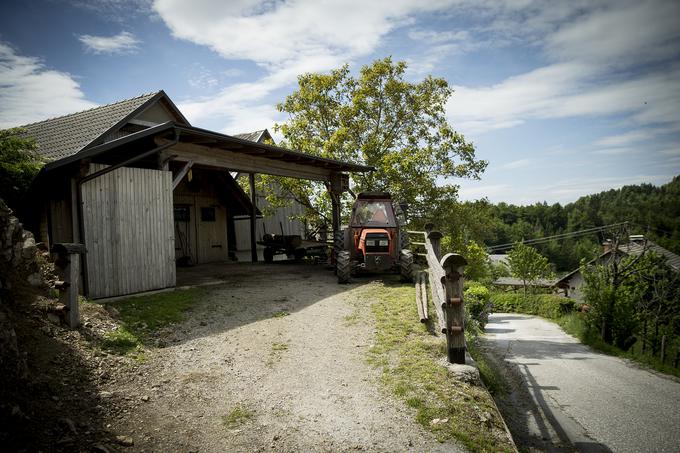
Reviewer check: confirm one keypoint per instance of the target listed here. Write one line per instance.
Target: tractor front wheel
(343, 266)
(406, 266)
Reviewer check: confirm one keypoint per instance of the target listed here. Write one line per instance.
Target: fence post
(68, 264)
(663, 349)
(435, 238)
(453, 265)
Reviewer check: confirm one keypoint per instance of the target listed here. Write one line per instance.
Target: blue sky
(563, 98)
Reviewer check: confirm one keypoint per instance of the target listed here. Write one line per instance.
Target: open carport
(136, 183)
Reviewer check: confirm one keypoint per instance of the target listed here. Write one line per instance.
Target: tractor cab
(374, 240)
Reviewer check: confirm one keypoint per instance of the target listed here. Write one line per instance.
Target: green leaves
(378, 118)
(527, 264)
(18, 165)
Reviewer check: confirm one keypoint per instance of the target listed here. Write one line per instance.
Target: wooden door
(211, 229)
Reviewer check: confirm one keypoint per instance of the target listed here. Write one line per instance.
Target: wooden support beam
(185, 169)
(245, 162)
(253, 219)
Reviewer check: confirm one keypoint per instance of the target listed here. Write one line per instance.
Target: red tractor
(375, 241)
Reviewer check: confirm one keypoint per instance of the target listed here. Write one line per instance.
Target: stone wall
(20, 278)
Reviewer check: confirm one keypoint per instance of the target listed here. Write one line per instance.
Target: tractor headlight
(383, 243)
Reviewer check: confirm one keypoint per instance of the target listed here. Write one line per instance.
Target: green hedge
(546, 305)
(477, 302)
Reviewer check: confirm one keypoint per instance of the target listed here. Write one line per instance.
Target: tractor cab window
(374, 213)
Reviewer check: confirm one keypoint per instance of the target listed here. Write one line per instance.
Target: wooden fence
(446, 286)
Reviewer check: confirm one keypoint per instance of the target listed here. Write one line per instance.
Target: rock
(105, 394)
(69, 424)
(145, 398)
(112, 311)
(125, 441)
(35, 279)
(54, 319)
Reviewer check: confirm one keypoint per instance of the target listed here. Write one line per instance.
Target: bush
(546, 305)
(477, 303)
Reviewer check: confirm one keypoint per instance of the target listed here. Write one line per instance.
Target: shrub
(477, 303)
(546, 305)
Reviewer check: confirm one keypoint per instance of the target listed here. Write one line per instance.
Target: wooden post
(68, 263)
(453, 265)
(435, 238)
(421, 297)
(663, 349)
(253, 217)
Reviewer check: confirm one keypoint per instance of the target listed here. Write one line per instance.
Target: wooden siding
(129, 231)
(207, 241)
(270, 224)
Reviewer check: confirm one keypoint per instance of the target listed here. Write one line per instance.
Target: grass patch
(277, 347)
(237, 417)
(141, 316)
(280, 314)
(410, 356)
(489, 371)
(275, 353)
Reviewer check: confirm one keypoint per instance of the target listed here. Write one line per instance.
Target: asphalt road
(589, 400)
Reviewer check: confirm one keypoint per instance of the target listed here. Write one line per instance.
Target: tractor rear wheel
(404, 239)
(268, 255)
(406, 266)
(343, 266)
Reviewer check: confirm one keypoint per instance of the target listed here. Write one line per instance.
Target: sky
(562, 98)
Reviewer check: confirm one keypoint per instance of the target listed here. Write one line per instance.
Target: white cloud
(435, 36)
(30, 92)
(122, 43)
(285, 38)
(520, 163)
(625, 139)
(597, 52)
(617, 151)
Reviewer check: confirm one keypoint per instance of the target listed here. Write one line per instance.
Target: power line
(557, 236)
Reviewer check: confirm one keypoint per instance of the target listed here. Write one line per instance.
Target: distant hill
(651, 210)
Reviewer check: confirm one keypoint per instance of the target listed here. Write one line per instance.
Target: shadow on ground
(535, 424)
(55, 405)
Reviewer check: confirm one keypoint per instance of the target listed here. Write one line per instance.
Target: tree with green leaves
(19, 163)
(380, 119)
(527, 264)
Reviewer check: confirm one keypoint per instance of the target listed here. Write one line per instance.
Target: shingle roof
(511, 281)
(66, 135)
(636, 248)
(254, 136)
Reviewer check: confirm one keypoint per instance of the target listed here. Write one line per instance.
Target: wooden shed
(142, 188)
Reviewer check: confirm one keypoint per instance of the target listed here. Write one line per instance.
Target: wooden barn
(143, 189)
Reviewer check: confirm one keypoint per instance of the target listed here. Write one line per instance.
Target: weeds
(410, 361)
(280, 314)
(237, 417)
(275, 353)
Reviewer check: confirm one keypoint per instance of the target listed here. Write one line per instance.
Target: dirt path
(270, 360)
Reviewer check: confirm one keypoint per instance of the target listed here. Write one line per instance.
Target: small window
(207, 214)
(181, 213)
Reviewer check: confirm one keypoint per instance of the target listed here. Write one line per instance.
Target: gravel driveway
(579, 397)
(272, 359)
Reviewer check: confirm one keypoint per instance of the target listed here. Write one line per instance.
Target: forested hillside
(651, 210)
